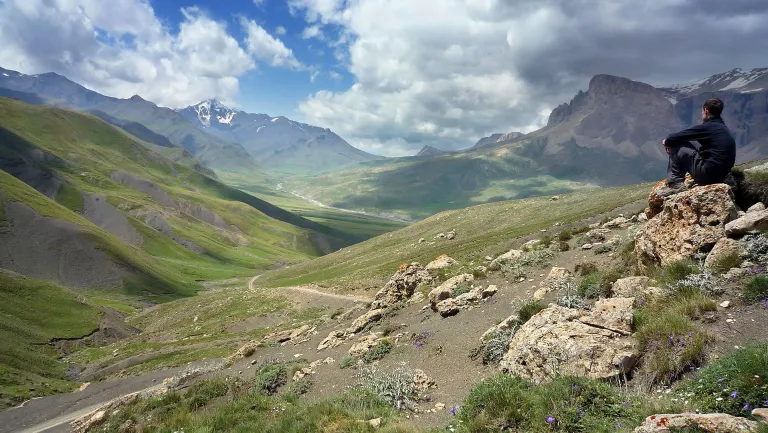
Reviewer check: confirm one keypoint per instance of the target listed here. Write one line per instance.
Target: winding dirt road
(314, 292)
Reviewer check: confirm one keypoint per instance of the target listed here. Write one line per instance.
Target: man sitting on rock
(708, 164)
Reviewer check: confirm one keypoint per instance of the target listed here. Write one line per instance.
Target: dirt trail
(311, 291)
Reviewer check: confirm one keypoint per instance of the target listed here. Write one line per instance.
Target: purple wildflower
(721, 379)
(418, 344)
(454, 410)
(574, 386)
(550, 420)
(734, 394)
(747, 407)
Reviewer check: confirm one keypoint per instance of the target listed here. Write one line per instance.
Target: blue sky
(410, 72)
(272, 90)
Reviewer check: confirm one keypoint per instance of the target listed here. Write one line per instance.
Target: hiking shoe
(669, 190)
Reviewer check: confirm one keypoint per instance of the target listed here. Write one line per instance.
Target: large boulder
(634, 287)
(551, 283)
(612, 313)
(691, 221)
(510, 322)
(558, 341)
(705, 422)
(401, 286)
(445, 290)
(334, 339)
(756, 221)
(508, 257)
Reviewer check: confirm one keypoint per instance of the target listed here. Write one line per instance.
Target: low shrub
(378, 351)
(298, 388)
(703, 282)
(565, 236)
(347, 362)
(733, 384)
(755, 290)
(562, 404)
(586, 268)
(271, 378)
(545, 241)
(480, 273)
(528, 310)
(494, 350)
(462, 289)
(756, 247)
(724, 262)
(672, 273)
(589, 286)
(201, 393)
(398, 387)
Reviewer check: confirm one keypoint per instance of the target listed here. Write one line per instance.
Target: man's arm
(693, 133)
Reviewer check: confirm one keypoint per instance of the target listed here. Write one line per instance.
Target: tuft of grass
(725, 262)
(562, 404)
(670, 274)
(462, 289)
(298, 388)
(669, 342)
(398, 387)
(755, 290)
(733, 384)
(528, 310)
(69, 197)
(565, 236)
(201, 393)
(378, 351)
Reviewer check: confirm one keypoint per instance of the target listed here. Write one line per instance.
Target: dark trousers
(684, 158)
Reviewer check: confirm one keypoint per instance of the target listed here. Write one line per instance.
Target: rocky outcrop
(334, 339)
(756, 221)
(451, 306)
(709, 422)
(445, 290)
(510, 322)
(508, 257)
(634, 287)
(617, 223)
(401, 286)
(554, 279)
(689, 222)
(565, 341)
(440, 263)
(365, 344)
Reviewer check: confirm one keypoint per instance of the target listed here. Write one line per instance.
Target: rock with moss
(334, 339)
(552, 282)
(401, 286)
(366, 319)
(441, 262)
(724, 250)
(508, 257)
(705, 422)
(445, 290)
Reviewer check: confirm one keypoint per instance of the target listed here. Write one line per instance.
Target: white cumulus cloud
(447, 72)
(121, 48)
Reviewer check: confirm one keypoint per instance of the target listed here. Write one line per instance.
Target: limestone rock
(751, 222)
(417, 298)
(364, 345)
(555, 277)
(441, 262)
(641, 218)
(490, 291)
(709, 422)
(594, 226)
(557, 341)
(757, 207)
(334, 339)
(630, 286)
(614, 314)
(722, 248)
(508, 257)
(361, 322)
(690, 221)
(510, 322)
(445, 290)
(617, 223)
(375, 423)
(761, 414)
(655, 201)
(301, 374)
(596, 235)
(448, 307)
(401, 286)
(531, 245)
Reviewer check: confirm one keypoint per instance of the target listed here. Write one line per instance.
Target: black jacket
(717, 153)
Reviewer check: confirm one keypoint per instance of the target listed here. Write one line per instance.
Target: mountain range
(219, 137)
(608, 135)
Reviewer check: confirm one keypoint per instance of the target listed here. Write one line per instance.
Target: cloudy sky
(388, 75)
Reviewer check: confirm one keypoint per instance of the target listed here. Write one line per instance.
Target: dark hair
(714, 106)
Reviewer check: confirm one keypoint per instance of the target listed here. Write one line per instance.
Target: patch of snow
(672, 99)
(688, 87)
(275, 119)
(753, 90)
(745, 80)
(6, 74)
(204, 113)
(298, 125)
(226, 119)
(259, 128)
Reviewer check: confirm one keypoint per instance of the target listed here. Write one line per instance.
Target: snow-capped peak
(735, 80)
(214, 108)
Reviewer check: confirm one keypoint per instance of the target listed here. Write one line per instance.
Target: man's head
(712, 108)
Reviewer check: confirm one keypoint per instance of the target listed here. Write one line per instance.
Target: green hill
(162, 225)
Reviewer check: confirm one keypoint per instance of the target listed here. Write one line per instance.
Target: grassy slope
(93, 149)
(32, 313)
(481, 230)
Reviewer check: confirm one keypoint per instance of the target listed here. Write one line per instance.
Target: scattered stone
(417, 298)
(508, 257)
(690, 221)
(735, 273)
(441, 262)
(365, 344)
(633, 287)
(710, 422)
(587, 247)
(448, 307)
(725, 304)
(361, 322)
(334, 339)
(439, 406)
(557, 341)
(490, 291)
(401, 286)
(422, 240)
(555, 198)
(301, 374)
(730, 321)
(641, 218)
(594, 226)
(488, 258)
(451, 235)
(751, 222)
(375, 423)
(445, 290)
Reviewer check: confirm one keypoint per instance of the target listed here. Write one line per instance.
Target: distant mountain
(277, 143)
(497, 138)
(431, 151)
(54, 89)
(608, 135)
